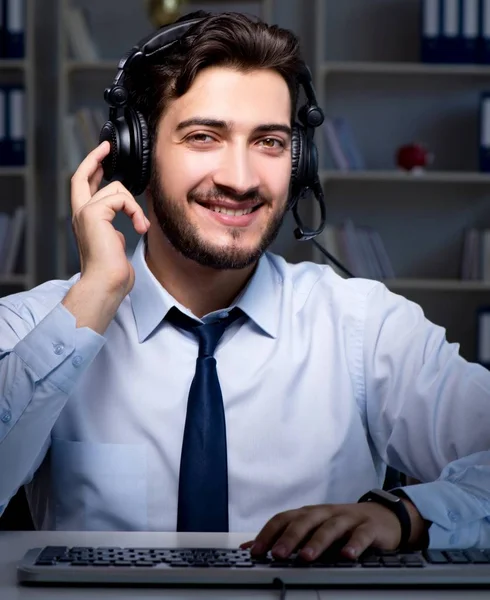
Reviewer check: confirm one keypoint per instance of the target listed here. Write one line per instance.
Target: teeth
(228, 211)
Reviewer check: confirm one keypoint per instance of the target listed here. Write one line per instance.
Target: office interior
(402, 153)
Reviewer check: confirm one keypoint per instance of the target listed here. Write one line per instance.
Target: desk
(14, 544)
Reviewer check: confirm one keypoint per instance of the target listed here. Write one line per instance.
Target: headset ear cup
(297, 161)
(142, 163)
(117, 134)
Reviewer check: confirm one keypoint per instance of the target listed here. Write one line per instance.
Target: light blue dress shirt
(325, 381)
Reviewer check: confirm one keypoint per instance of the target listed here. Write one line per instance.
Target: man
(323, 380)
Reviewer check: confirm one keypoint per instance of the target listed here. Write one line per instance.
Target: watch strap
(397, 507)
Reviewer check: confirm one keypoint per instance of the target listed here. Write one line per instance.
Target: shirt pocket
(98, 487)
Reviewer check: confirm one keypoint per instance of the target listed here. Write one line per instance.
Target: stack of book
(81, 45)
(12, 232)
(81, 133)
(343, 152)
(455, 31)
(12, 28)
(360, 249)
(475, 262)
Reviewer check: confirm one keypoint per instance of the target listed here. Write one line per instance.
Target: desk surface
(14, 544)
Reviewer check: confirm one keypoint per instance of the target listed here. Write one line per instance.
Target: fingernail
(280, 550)
(350, 550)
(257, 548)
(308, 552)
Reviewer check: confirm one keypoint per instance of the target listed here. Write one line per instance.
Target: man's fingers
(362, 537)
(113, 203)
(271, 530)
(297, 531)
(81, 180)
(330, 531)
(246, 545)
(96, 180)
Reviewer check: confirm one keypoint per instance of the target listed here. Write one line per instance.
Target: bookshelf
(367, 69)
(82, 83)
(18, 183)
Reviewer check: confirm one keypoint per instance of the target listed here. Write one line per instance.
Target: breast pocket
(98, 486)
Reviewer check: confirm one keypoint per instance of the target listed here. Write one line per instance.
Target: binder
(16, 138)
(14, 19)
(484, 33)
(451, 31)
(431, 31)
(483, 336)
(469, 11)
(485, 132)
(3, 126)
(2, 28)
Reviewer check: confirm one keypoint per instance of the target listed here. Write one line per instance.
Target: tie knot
(208, 334)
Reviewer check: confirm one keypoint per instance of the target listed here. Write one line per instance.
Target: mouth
(236, 217)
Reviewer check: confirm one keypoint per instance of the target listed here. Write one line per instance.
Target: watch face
(386, 495)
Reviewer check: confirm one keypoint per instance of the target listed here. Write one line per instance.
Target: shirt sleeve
(428, 414)
(41, 362)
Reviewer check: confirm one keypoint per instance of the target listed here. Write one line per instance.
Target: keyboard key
(477, 556)
(436, 557)
(456, 556)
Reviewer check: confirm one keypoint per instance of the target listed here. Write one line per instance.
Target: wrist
(419, 534)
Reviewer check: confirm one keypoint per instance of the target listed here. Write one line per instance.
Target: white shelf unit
(367, 70)
(18, 184)
(83, 82)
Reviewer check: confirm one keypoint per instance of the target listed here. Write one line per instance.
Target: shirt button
(6, 417)
(59, 349)
(454, 515)
(77, 360)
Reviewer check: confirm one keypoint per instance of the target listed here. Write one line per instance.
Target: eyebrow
(217, 124)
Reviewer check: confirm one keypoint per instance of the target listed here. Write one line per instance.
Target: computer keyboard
(229, 567)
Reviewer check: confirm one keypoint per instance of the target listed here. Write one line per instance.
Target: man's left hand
(310, 530)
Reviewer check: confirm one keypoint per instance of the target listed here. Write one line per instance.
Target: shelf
(13, 171)
(72, 66)
(404, 177)
(442, 285)
(12, 64)
(13, 279)
(401, 68)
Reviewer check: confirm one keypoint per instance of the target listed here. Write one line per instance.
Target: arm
(37, 374)
(428, 413)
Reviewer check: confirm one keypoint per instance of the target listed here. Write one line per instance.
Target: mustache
(217, 194)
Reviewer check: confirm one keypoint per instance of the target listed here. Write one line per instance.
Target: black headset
(129, 160)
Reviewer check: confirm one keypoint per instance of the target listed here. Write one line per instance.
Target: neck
(200, 289)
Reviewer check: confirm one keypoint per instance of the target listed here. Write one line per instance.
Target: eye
(200, 138)
(272, 143)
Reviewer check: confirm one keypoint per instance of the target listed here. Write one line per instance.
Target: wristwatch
(395, 504)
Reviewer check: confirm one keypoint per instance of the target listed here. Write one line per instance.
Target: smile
(228, 216)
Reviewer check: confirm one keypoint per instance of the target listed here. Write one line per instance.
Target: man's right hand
(102, 248)
(107, 276)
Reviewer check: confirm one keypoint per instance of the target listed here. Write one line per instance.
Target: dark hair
(226, 39)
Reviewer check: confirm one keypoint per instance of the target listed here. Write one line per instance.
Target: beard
(186, 239)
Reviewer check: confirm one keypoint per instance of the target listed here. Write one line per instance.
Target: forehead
(228, 94)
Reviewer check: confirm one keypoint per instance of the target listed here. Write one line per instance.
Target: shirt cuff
(455, 514)
(57, 344)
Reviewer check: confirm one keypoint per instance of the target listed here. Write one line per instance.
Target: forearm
(457, 504)
(92, 304)
(37, 374)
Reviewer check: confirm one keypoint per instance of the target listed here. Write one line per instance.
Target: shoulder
(321, 281)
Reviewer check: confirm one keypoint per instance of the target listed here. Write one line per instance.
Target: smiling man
(208, 385)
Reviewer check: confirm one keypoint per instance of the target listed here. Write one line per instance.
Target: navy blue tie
(203, 479)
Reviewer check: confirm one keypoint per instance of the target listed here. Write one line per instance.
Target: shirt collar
(150, 301)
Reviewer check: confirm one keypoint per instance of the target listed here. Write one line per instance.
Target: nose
(236, 171)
